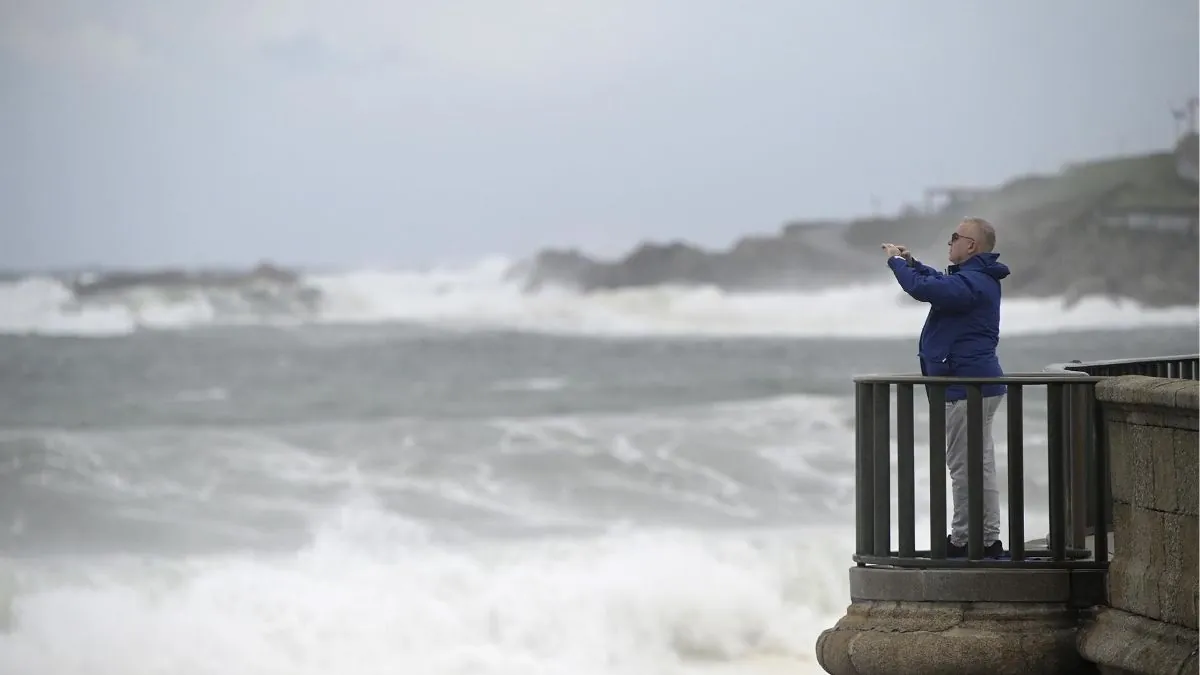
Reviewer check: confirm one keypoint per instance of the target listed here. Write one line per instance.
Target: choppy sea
(439, 475)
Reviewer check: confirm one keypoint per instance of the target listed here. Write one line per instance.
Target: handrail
(1007, 378)
(1179, 366)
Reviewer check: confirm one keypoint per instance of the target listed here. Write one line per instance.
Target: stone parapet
(1128, 644)
(1151, 623)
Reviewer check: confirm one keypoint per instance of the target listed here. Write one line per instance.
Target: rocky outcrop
(266, 289)
(791, 260)
(554, 267)
(1152, 268)
(1056, 234)
(263, 274)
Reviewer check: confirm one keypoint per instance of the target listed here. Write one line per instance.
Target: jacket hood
(987, 263)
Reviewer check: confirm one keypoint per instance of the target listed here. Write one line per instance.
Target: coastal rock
(793, 260)
(110, 282)
(1123, 228)
(263, 289)
(660, 264)
(554, 267)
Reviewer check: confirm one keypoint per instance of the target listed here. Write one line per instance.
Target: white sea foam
(375, 594)
(480, 298)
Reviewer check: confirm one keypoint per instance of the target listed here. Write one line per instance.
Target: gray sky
(146, 132)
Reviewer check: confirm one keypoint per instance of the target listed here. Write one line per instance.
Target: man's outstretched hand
(894, 250)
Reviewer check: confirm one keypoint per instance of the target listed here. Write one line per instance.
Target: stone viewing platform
(1112, 589)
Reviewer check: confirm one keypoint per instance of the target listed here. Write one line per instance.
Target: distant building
(1154, 219)
(1132, 207)
(943, 198)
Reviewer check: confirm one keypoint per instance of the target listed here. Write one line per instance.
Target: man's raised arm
(947, 291)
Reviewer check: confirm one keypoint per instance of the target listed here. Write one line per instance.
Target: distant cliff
(804, 258)
(1123, 227)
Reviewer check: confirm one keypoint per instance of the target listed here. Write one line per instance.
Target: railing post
(974, 472)
(1016, 472)
(1101, 496)
(864, 468)
(1096, 510)
(905, 487)
(882, 403)
(1055, 405)
(1078, 433)
(937, 470)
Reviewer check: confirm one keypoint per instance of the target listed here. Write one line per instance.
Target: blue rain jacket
(963, 326)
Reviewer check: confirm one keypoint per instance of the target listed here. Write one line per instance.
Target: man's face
(962, 244)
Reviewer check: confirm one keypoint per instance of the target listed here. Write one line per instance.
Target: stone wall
(1151, 623)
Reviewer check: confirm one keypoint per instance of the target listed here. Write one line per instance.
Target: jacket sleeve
(923, 269)
(945, 291)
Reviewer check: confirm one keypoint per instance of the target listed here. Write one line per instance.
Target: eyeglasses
(954, 236)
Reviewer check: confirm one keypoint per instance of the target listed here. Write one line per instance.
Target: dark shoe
(953, 551)
(993, 550)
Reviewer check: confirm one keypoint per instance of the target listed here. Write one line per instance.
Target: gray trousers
(956, 461)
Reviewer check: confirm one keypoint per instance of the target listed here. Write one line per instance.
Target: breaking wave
(481, 298)
(356, 601)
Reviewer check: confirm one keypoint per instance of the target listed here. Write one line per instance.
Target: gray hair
(987, 234)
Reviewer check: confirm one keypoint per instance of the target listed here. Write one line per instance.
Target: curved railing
(1078, 475)
(1068, 406)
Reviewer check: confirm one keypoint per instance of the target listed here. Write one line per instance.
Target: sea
(437, 474)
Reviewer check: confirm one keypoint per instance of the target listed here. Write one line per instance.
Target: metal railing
(1068, 475)
(1182, 367)
(1078, 474)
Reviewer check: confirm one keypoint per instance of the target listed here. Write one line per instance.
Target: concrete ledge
(1122, 642)
(1151, 416)
(969, 585)
(1078, 588)
(1140, 390)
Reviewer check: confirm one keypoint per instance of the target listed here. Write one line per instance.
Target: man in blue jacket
(959, 340)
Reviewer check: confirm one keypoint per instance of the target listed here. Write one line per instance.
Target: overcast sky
(146, 132)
